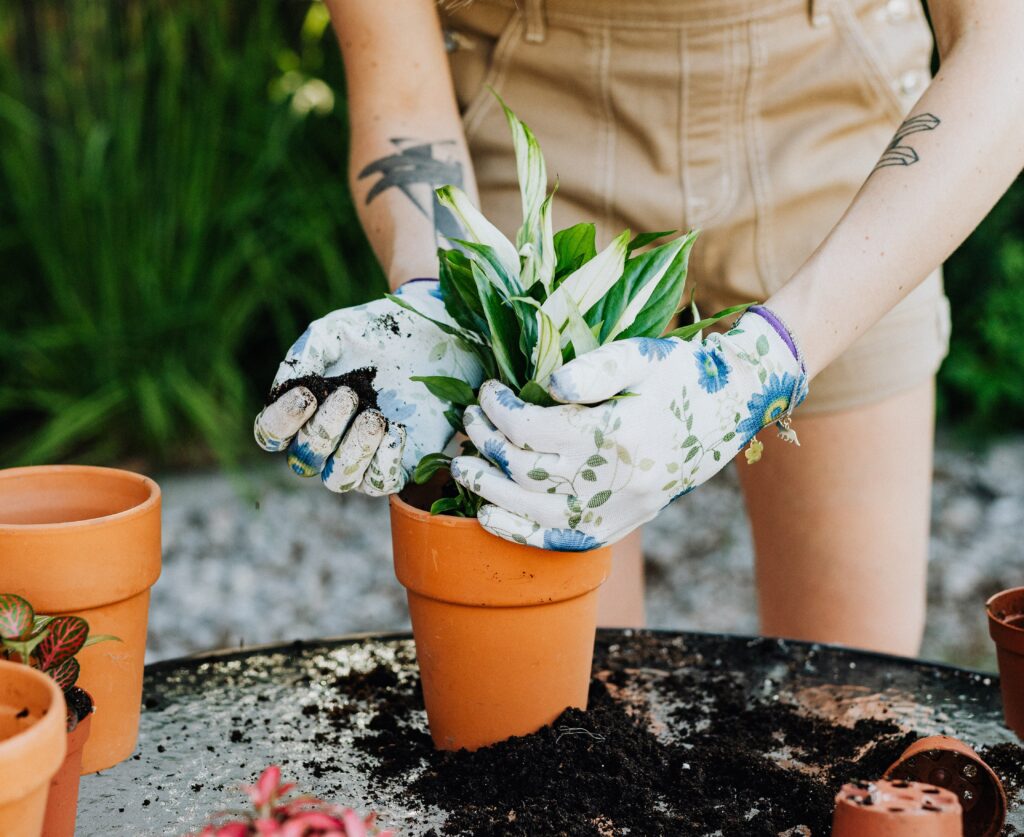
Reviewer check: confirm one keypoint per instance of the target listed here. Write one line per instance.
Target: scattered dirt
(359, 381)
(608, 771)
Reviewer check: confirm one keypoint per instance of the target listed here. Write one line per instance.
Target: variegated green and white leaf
(578, 332)
(478, 228)
(588, 284)
(539, 263)
(532, 178)
(641, 296)
(547, 355)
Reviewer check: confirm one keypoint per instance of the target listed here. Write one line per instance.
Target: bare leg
(620, 601)
(841, 524)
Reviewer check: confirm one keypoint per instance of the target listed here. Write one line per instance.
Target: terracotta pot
(62, 803)
(952, 765)
(895, 809)
(1006, 627)
(504, 633)
(83, 540)
(32, 746)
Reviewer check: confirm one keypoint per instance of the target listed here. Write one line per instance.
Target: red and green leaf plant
(47, 643)
(275, 815)
(527, 307)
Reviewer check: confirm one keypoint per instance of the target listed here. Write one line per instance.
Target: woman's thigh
(841, 524)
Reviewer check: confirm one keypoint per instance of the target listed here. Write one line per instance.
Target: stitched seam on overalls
(732, 110)
(756, 163)
(494, 77)
(874, 74)
(682, 146)
(608, 124)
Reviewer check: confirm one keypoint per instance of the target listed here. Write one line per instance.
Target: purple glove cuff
(783, 332)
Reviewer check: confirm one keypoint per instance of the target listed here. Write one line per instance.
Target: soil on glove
(733, 765)
(360, 381)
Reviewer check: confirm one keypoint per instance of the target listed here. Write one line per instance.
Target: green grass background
(173, 211)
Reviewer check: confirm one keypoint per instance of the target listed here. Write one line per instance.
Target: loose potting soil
(733, 764)
(360, 381)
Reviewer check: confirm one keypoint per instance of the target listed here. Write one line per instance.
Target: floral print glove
(668, 414)
(362, 446)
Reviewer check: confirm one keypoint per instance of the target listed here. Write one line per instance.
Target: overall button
(910, 82)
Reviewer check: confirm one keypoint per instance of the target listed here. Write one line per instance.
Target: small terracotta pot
(33, 740)
(952, 765)
(895, 809)
(62, 803)
(1006, 627)
(86, 541)
(504, 633)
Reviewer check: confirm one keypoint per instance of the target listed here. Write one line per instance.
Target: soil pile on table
(738, 761)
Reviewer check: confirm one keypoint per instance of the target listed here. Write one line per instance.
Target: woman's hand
(354, 445)
(577, 477)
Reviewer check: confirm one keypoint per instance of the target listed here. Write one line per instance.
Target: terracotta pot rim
(990, 604)
(50, 729)
(30, 471)
(423, 516)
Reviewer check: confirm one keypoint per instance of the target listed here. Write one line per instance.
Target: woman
(830, 178)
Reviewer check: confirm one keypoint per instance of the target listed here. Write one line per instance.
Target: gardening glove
(369, 434)
(575, 477)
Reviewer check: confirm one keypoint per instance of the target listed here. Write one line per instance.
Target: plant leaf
(657, 313)
(534, 393)
(589, 283)
(65, 673)
(578, 333)
(458, 289)
(574, 247)
(430, 465)
(532, 174)
(66, 637)
(539, 261)
(16, 616)
(448, 389)
(451, 504)
(640, 278)
(547, 355)
(479, 229)
(694, 329)
(97, 638)
(504, 328)
(643, 239)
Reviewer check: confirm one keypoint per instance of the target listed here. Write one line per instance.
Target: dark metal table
(212, 722)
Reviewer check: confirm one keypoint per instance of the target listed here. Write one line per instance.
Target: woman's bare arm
(958, 151)
(407, 136)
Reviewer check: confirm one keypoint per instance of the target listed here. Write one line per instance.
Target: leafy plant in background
(172, 212)
(524, 309)
(47, 643)
(274, 815)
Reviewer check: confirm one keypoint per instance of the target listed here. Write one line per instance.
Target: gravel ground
(265, 557)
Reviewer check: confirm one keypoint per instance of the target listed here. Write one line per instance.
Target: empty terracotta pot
(1006, 627)
(83, 540)
(33, 741)
(504, 633)
(62, 802)
(895, 809)
(952, 765)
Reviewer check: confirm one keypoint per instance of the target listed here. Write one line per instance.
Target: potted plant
(82, 540)
(32, 745)
(505, 632)
(49, 644)
(274, 815)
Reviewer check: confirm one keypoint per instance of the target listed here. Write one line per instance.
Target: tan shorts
(755, 120)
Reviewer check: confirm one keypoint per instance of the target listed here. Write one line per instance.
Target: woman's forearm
(959, 150)
(406, 134)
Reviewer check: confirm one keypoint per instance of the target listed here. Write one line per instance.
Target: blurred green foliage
(173, 211)
(172, 214)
